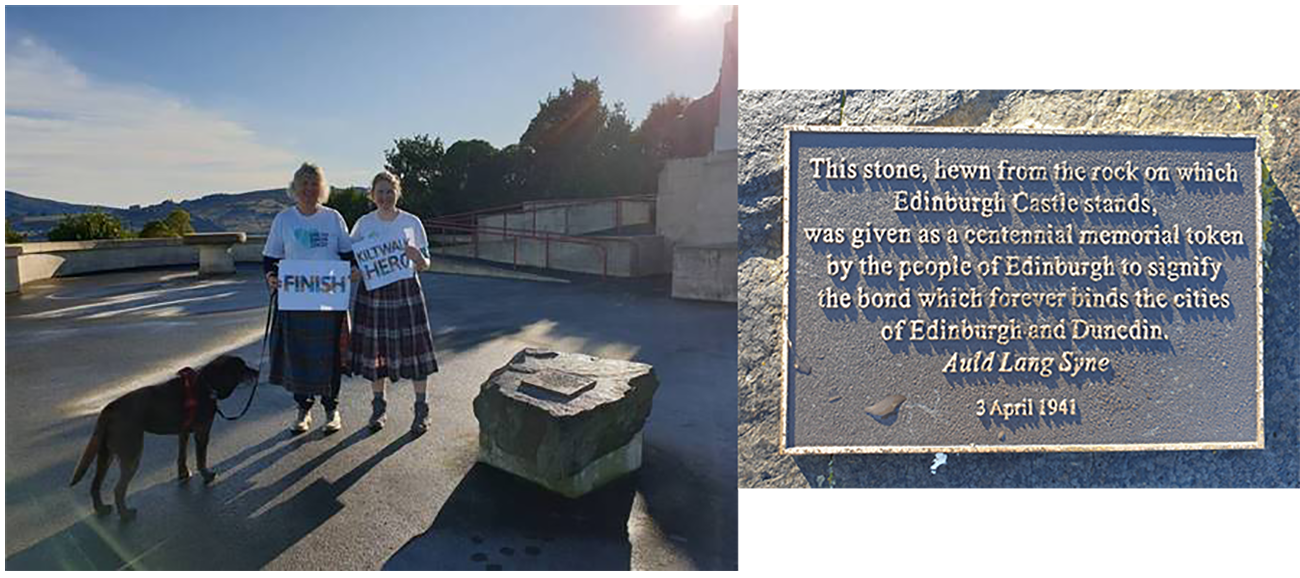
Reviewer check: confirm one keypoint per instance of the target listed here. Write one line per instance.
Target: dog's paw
(127, 514)
(208, 476)
(103, 510)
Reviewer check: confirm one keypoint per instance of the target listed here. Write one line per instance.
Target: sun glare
(696, 11)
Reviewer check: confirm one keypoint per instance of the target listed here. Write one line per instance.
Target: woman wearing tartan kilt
(391, 339)
(308, 347)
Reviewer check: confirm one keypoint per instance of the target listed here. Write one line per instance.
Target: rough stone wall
(1273, 115)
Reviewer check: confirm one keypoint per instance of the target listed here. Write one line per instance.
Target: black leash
(266, 337)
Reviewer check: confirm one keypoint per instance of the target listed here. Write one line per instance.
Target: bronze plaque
(967, 290)
(552, 384)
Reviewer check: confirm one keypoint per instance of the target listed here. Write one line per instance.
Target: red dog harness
(190, 405)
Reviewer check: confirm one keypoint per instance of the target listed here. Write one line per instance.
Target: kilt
(390, 332)
(307, 351)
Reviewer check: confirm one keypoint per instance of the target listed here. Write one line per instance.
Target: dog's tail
(92, 448)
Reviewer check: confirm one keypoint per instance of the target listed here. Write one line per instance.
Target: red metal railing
(516, 234)
(470, 218)
(468, 222)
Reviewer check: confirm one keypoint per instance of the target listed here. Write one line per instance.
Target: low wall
(12, 252)
(705, 273)
(571, 217)
(39, 261)
(633, 256)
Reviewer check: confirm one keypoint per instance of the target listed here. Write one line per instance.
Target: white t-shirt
(370, 226)
(321, 236)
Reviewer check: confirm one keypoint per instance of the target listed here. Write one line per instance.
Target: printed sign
(314, 285)
(383, 261)
(963, 290)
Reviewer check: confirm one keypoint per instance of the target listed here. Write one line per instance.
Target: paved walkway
(355, 500)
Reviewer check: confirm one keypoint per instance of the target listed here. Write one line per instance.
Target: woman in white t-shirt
(391, 339)
(308, 347)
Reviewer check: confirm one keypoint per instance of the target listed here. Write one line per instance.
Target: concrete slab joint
(568, 422)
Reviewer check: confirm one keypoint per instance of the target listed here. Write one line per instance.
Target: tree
(175, 224)
(477, 176)
(352, 203)
(12, 236)
(88, 226)
(156, 229)
(559, 140)
(179, 222)
(657, 133)
(418, 163)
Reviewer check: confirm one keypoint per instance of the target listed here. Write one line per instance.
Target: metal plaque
(549, 383)
(955, 290)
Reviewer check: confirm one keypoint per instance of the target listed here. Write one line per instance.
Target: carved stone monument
(566, 421)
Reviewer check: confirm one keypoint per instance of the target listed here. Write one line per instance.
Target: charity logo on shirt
(311, 238)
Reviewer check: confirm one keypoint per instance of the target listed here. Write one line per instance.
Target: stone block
(706, 273)
(215, 257)
(568, 422)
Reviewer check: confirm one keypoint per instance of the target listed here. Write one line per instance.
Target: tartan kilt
(308, 350)
(390, 332)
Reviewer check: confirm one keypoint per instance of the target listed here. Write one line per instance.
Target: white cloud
(72, 138)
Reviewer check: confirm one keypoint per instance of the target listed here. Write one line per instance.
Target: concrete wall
(570, 218)
(634, 256)
(491, 222)
(60, 259)
(697, 219)
(11, 268)
(45, 260)
(250, 251)
(707, 273)
(697, 201)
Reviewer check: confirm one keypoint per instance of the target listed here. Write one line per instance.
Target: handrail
(551, 204)
(516, 234)
(469, 222)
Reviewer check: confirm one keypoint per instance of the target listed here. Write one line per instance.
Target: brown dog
(173, 407)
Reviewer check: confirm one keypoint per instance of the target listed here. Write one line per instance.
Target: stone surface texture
(570, 444)
(1274, 115)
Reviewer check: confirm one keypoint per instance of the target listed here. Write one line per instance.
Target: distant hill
(250, 212)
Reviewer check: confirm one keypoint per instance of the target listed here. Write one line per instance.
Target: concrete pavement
(353, 500)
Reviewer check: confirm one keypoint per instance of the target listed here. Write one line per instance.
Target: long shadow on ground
(496, 521)
(220, 514)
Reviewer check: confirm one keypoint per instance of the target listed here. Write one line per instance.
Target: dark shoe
(378, 414)
(421, 422)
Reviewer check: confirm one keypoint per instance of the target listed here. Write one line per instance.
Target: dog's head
(223, 374)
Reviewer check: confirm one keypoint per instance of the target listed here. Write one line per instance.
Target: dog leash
(261, 358)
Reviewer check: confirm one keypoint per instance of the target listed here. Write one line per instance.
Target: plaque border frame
(786, 345)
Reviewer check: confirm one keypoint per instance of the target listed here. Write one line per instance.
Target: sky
(135, 105)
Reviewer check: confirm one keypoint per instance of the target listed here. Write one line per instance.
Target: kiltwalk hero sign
(964, 290)
(314, 285)
(383, 261)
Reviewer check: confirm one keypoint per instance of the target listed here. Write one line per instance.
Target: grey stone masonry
(566, 421)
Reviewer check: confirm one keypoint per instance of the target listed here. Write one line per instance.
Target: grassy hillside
(250, 212)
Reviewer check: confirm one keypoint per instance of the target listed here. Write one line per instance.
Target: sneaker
(378, 417)
(421, 422)
(303, 423)
(335, 422)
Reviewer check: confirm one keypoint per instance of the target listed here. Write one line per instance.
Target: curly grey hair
(299, 176)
